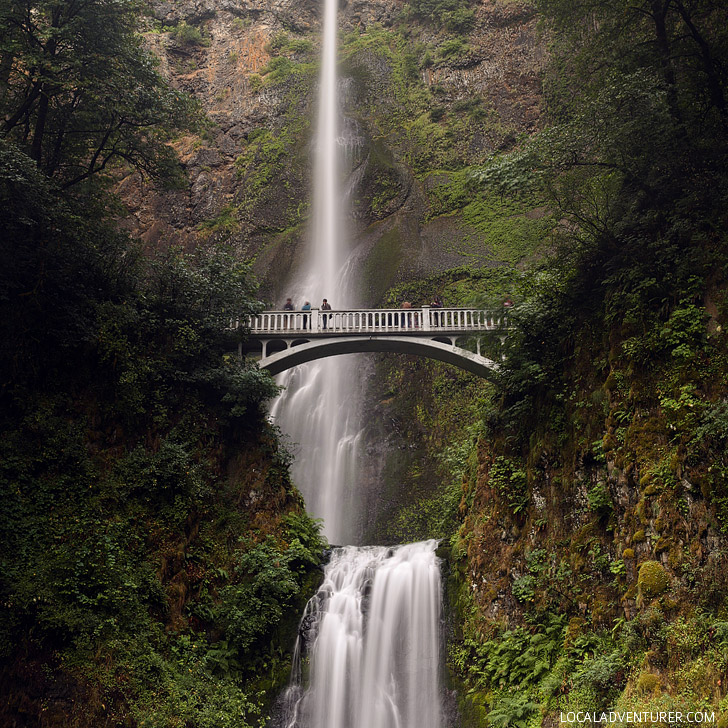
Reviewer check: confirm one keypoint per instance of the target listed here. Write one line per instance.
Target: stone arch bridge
(288, 338)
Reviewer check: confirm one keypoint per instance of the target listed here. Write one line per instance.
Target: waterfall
(368, 649)
(319, 410)
(372, 638)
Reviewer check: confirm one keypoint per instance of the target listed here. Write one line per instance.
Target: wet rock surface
(248, 170)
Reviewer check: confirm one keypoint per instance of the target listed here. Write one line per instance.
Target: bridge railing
(375, 321)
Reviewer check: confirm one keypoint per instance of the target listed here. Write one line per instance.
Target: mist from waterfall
(319, 410)
(371, 636)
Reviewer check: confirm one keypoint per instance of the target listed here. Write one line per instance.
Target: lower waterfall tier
(368, 653)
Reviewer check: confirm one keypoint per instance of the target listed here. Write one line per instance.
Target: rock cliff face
(427, 103)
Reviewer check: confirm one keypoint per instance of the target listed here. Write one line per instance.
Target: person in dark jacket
(325, 306)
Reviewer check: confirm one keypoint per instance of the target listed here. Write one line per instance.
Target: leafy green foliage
(131, 435)
(281, 43)
(510, 482)
(80, 92)
(453, 14)
(600, 500)
(265, 589)
(512, 711)
(513, 658)
(189, 35)
(523, 588)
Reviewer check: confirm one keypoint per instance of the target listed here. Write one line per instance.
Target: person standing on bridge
(325, 306)
(287, 306)
(306, 316)
(436, 303)
(406, 317)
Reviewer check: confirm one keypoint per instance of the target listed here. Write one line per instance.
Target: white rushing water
(319, 408)
(369, 643)
(372, 638)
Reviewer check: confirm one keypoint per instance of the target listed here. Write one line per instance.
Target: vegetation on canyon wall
(588, 569)
(155, 554)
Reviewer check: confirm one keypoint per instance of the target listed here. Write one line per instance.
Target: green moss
(676, 556)
(256, 82)
(611, 382)
(628, 554)
(382, 263)
(652, 579)
(663, 544)
(226, 222)
(641, 511)
(648, 682)
(573, 630)
(281, 43)
(639, 537)
(271, 159)
(398, 105)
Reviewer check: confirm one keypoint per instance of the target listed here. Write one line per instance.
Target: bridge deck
(397, 322)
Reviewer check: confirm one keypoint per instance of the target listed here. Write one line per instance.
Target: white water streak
(374, 662)
(320, 409)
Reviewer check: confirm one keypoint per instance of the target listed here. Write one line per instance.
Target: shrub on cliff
(453, 14)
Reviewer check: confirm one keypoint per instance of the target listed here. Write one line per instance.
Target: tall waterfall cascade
(368, 652)
(371, 636)
(319, 409)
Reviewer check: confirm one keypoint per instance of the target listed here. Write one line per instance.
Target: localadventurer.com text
(615, 716)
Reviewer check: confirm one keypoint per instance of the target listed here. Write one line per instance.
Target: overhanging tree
(79, 91)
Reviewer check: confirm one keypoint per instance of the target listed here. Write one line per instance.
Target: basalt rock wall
(429, 103)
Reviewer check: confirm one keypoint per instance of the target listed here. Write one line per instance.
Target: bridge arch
(326, 347)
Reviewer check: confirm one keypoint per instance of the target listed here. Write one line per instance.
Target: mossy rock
(573, 630)
(653, 618)
(639, 537)
(652, 580)
(676, 557)
(628, 554)
(648, 683)
(641, 510)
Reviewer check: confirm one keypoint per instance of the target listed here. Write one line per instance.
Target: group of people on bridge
(406, 319)
(325, 306)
